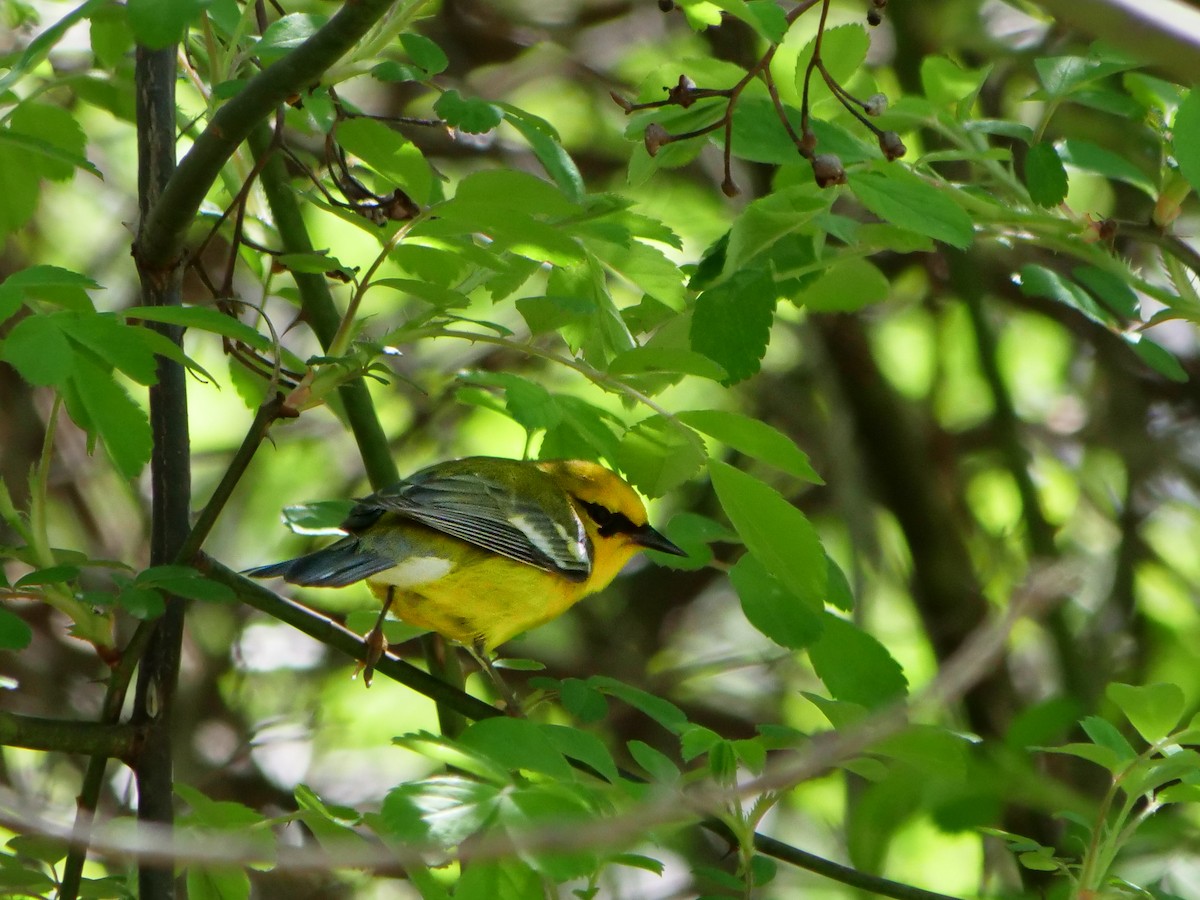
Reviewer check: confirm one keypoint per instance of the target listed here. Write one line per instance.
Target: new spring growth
(828, 170)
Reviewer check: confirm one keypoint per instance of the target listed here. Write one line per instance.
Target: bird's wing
(485, 508)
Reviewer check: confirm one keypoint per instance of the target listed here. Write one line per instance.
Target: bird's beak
(650, 539)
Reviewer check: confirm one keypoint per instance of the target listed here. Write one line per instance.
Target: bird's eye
(608, 522)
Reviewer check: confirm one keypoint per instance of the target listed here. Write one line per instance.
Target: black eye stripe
(608, 522)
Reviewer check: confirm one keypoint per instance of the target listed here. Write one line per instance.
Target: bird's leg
(376, 643)
(482, 657)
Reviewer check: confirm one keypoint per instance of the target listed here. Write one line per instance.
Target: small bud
(681, 94)
(621, 102)
(808, 143)
(876, 105)
(666, 5)
(656, 138)
(874, 17)
(891, 145)
(828, 170)
(729, 187)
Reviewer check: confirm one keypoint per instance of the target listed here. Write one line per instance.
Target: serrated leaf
(667, 714)
(39, 351)
(731, 323)
(120, 423)
(472, 115)
(772, 609)
(904, 199)
(657, 455)
(1045, 175)
(775, 531)
(754, 438)
(855, 666)
(1153, 709)
(52, 284)
(516, 744)
(846, 286)
(443, 810)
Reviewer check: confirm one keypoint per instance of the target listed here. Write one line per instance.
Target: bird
(483, 548)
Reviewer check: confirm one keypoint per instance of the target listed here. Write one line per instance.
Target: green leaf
(1111, 290)
(1104, 734)
(546, 145)
(516, 744)
(60, 287)
(213, 883)
(54, 139)
(508, 879)
(49, 575)
(697, 740)
(122, 346)
(665, 713)
(425, 53)
(544, 314)
(472, 115)
(653, 762)
(1062, 75)
(1093, 753)
(1153, 709)
(1045, 175)
(775, 531)
(582, 700)
(843, 50)
(1038, 281)
(14, 633)
(947, 84)
(1185, 137)
(904, 199)
(582, 746)
(201, 318)
(1091, 157)
(771, 608)
(159, 23)
(846, 286)
(657, 455)
(838, 589)
(120, 422)
(141, 603)
(1156, 356)
(673, 361)
(398, 160)
(286, 34)
(39, 351)
(20, 192)
(754, 438)
(855, 666)
(731, 323)
(444, 810)
(771, 218)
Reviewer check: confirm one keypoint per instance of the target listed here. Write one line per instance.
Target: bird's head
(611, 504)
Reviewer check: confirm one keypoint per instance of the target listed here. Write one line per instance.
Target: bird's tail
(337, 565)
